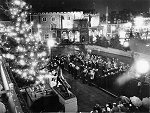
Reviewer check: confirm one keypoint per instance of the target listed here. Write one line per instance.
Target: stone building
(60, 25)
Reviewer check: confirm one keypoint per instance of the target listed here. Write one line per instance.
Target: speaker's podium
(69, 101)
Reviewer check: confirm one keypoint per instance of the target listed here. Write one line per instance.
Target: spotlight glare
(142, 66)
(126, 44)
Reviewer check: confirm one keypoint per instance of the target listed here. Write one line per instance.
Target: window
(68, 18)
(53, 26)
(53, 19)
(44, 19)
(46, 36)
(54, 34)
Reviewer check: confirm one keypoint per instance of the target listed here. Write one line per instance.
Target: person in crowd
(69, 67)
(84, 74)
(73, 71)
(123, 107)
(108, 110)
(101, 66)
(96, 109)
(91, 75)
(139, 89)
(95, 69)
(77, 68)
(115, 108)
(103, 108)
(133, 108)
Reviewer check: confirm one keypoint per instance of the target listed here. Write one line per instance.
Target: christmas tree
(26, 52)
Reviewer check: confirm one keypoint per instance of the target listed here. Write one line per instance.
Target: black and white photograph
(74, 56)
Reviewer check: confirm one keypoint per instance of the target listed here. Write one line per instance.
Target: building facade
(61, 25)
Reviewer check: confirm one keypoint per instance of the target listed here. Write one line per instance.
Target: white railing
(14, 103)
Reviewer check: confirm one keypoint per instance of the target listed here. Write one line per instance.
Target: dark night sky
(100, 5)
(139, 5)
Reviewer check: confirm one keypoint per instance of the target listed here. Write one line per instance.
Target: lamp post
(50, 43)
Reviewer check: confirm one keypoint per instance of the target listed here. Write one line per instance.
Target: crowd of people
(98, 71)
(120, 106)
(93, 69)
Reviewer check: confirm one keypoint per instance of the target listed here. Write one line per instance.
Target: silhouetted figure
(61, 79)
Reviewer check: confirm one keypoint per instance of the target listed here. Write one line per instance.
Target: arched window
(46, 36)
(53, 18)
(44, 19)
(68, 18)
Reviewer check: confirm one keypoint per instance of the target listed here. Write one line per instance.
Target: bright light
(38, 26)
(50, 42)
(94, 21)
(128, 25)
(113, 28)
(22, 62)
(23, 14)
(17, 24)
(142, 66)
(22, 56)
(24, 74)
(17, 2)
(27, 39)
(18, 19)
(138, 21)
(18, 71)
(12, 57)
(32, 23)
(78, 15)
(31, 54)
(34, 63)
(126, 44)
(43, 53)
(14, 11)
(32, 72)
(122, 41)
(122, 34)
(17, 29)
(23, 4)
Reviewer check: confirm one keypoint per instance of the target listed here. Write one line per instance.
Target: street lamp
(126, 44)
(142, 66)
(113, 28)
(38, 26)
(50, 43)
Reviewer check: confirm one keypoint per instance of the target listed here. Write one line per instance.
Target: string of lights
(30, 50)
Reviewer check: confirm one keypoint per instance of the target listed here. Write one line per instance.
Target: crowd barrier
(109, 50)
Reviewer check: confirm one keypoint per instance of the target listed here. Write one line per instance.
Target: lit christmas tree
(26, 51)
